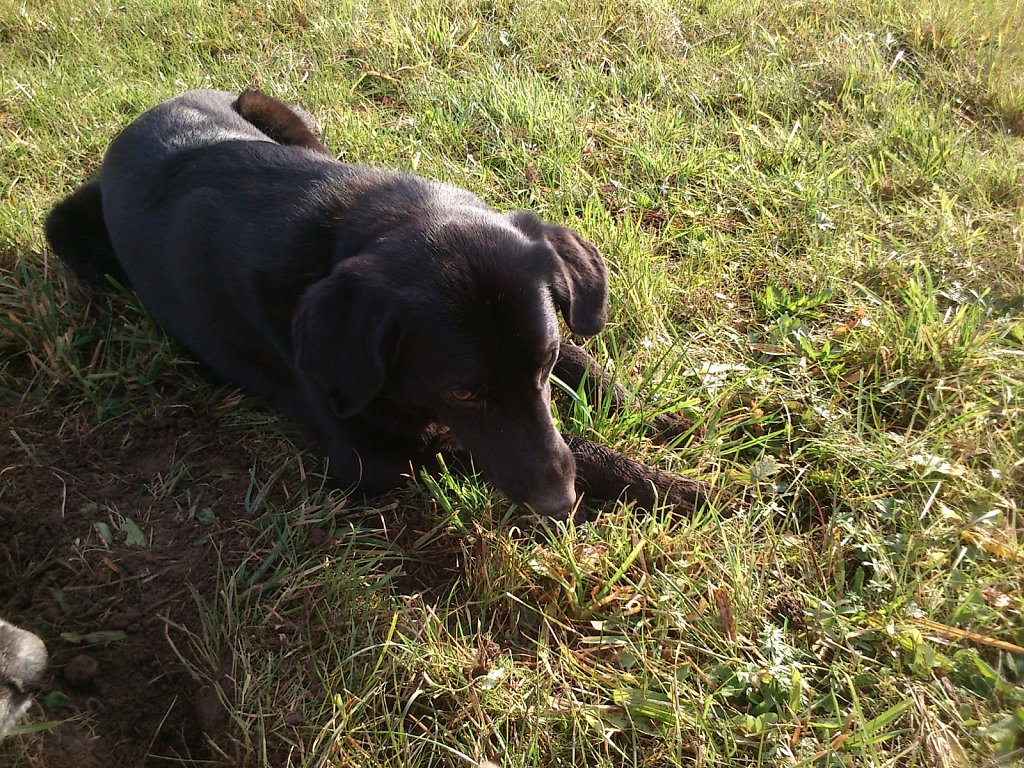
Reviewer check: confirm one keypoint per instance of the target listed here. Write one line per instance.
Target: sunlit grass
(812, 218)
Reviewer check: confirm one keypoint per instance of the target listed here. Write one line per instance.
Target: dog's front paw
(672, 490)
(606, 475)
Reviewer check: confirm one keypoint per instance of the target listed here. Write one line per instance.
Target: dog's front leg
(606, 475)
(577, 369)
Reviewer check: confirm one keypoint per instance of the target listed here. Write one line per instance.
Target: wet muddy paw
(606, 475)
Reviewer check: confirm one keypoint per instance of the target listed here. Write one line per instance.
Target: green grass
(813, 215)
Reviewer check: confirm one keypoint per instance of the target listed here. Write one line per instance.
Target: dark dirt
(114, 600)
(123, 694)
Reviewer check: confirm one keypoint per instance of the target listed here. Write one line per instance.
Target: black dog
(392, 315)
(23, 663)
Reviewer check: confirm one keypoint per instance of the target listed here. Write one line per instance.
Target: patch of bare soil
(106, 594)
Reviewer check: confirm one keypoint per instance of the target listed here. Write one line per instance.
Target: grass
(813, 215)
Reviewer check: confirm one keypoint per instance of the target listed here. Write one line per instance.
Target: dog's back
(193, 120)
(77, 226)
(196, 208)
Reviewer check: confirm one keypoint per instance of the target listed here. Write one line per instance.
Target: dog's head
(23, 662)
(457, 320)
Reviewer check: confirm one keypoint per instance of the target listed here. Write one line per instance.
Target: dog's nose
(554, 504)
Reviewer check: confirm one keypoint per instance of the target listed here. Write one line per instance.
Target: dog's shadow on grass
(161, 551)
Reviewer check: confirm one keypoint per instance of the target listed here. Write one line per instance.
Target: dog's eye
(552, 356)
(462, 395)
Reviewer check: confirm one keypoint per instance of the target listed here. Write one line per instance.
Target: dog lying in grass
(23, 663)
(396, 318)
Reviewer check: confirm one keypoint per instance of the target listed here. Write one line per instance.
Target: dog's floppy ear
(580, 280)
(344, 334)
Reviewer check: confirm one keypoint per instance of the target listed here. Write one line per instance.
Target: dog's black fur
(388, 313)
(23, 662)
(284, 124)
